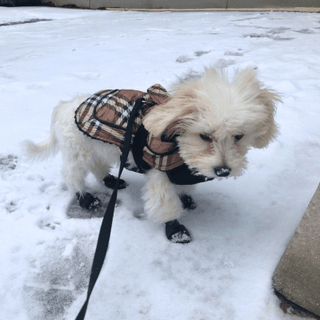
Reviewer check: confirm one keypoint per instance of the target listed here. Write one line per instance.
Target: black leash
(105, 229)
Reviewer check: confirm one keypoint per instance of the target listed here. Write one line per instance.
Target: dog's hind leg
(110, 182)
(101, 172)
(88, 201)
(74, 174)
(104, 155)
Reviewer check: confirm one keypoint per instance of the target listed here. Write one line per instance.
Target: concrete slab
(85, 4)
(297, 276)
(188, 5)
(267, 9)
(272, 3)
(153, 4)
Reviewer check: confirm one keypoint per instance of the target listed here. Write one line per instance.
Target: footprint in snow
(50, 225)
(277, 38)
(223, 63)
(236, 54)
(47, 185)
(11, 206)
(200, 53)
(305, 31)
(183, 59)
(267, 35)
(191, 74)
(8, 162)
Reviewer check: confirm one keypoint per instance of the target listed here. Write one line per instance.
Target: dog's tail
(43, 150)
(40, 151)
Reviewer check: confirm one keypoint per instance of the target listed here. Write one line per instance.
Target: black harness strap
(139, 142)
(105, 229)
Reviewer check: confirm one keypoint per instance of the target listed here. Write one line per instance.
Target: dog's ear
(267, 129)
(265, 99)
(169, 118)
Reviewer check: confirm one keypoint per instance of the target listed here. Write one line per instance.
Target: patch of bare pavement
(23, 22)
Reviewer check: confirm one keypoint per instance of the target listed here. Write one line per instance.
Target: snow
(240, 228)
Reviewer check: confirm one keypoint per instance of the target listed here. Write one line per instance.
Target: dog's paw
(110, 182)
(88, 201)
(177, 233)
(187, 202)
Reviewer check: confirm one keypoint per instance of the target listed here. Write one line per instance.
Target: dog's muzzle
(222, 171)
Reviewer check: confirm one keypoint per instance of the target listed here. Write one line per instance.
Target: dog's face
(217, 121)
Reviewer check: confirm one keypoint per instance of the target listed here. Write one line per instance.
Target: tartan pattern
(96, 124)
(158, 94)
(105, 114)
(161, 155)
(100, 97)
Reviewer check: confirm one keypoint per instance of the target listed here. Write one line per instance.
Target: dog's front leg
(163, 203)
(187, 201)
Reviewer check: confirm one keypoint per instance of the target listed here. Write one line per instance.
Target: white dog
(210, 123)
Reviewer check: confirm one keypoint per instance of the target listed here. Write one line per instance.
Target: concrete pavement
(297, 276)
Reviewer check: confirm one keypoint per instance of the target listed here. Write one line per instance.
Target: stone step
(297, 276)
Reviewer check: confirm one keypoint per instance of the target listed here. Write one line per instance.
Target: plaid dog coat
(104, 116)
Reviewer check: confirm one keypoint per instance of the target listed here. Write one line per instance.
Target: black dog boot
(177, 233)
(110, 182)
(187, 202)
(88, 201)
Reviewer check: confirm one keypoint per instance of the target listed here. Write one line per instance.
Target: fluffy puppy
(214, 121)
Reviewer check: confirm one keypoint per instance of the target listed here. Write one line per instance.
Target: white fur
(211, 105)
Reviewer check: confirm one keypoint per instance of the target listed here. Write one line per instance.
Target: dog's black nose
(222, 171)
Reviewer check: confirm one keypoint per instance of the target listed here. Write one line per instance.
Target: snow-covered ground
(240, 228)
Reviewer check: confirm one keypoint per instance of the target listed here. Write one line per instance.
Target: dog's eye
(205, 137)
(238, 137)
